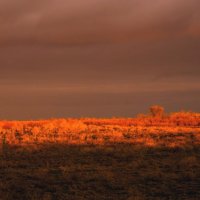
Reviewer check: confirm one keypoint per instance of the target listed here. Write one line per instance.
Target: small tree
(157, 111)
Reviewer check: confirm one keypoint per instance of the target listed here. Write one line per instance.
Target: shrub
(157, 111)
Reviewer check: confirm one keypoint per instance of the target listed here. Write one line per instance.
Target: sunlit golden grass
(169, 131)
(140, 158)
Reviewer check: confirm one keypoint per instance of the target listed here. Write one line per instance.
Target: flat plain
(134, 159)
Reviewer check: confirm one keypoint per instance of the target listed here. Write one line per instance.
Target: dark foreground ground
(117, 171)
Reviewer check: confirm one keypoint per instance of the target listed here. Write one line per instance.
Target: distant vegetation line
(154, 129)
(156, 117)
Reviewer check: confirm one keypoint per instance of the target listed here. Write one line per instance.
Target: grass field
(100, 159)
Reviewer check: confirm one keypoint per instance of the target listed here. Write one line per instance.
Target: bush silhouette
(157, 111)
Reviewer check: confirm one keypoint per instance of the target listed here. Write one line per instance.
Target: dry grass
(100, 159)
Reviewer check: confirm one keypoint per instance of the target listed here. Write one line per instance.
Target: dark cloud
(89, 22)
(92, 57)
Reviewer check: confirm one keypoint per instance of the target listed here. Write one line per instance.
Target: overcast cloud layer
(98, 58)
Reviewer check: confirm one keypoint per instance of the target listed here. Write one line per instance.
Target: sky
(98, 58)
